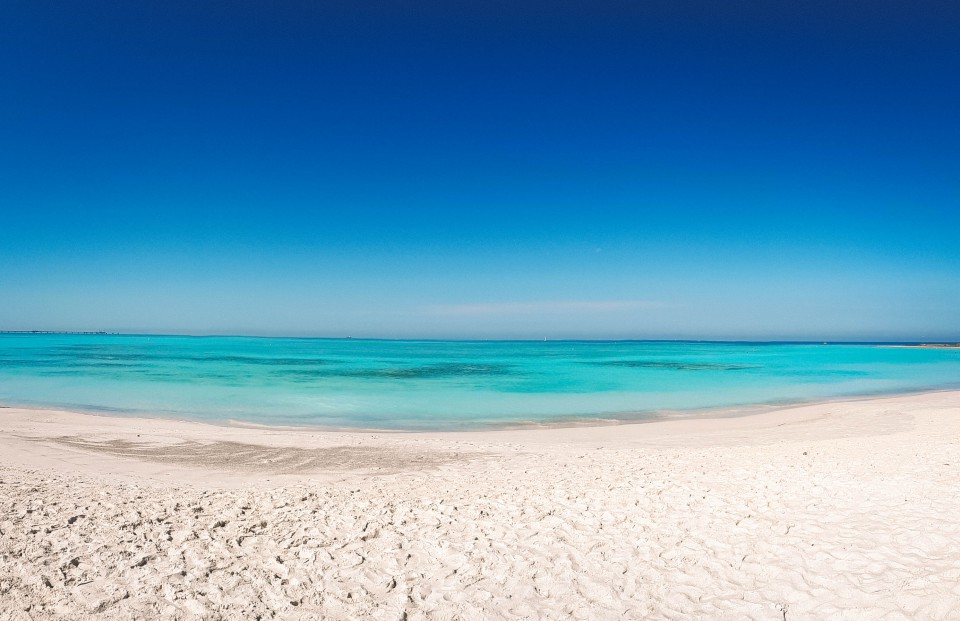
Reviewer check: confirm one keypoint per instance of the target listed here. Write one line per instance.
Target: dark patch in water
(432, 371)
(118, 356)
(273, 362)
(676, 366)
(451, 369)
(301, 375)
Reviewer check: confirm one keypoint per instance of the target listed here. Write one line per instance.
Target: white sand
(847, 510)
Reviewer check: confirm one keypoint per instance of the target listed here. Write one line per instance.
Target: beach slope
(844, 510)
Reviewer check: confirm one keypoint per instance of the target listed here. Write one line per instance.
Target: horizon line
(476, 339)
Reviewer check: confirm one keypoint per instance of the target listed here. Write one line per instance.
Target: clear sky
(674, 169)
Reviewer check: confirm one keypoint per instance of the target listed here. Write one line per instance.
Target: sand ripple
(860, 527)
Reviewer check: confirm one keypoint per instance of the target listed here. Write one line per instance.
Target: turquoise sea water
(443, 384)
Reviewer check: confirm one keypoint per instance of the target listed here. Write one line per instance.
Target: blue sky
(731, 170)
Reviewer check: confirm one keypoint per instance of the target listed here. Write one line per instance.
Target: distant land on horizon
(99, 332)
(897, 343)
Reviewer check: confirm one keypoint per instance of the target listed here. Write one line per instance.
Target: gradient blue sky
(676, 169)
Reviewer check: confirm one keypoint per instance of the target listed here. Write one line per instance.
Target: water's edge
(743, 411)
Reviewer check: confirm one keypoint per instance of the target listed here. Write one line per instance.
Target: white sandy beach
(844, 510)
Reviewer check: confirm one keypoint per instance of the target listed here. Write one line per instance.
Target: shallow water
(443, 384)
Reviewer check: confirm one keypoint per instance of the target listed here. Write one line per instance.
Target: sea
(409, 385)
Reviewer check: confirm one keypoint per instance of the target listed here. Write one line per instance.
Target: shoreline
(642, 418)
(207, 456)
(15, 420)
